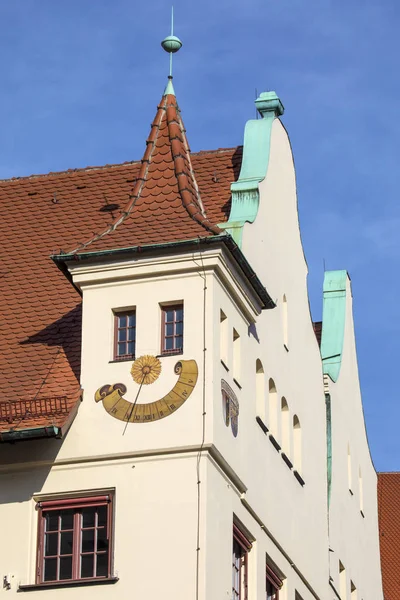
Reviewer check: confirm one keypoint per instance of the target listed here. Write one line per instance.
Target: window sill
(121, 360)
(299, 478)
(262, 425)
(224, 365)
(51, 585)
(171, 353)
(274, 442)
(287, 460)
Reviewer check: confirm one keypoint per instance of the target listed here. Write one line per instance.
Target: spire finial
(171, 44)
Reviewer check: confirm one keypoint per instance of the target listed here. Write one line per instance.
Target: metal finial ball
(171, 44)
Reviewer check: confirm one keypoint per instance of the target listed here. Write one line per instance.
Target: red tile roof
(389, 533)
(182, 196)
(165, 202)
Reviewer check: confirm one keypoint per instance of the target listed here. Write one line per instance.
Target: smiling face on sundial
(145, 371)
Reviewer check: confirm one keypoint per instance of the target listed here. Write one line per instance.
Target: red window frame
(99, 531)
(240, 549)
(128, 338)
(273, 583)
(176, 337)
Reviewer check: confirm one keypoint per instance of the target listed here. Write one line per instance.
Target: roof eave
(61, 260)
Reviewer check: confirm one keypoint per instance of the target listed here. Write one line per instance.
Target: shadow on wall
(25, 466)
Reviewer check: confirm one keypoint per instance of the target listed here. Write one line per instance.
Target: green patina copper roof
(333, 322)
(256, 150)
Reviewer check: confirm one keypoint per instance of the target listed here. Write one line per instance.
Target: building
(168, 427)
(389, 532)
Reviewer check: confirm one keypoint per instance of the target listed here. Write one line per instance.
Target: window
(273, 583)
(285, 322)
(273, 408)
(74, 539)
(297, 443)
(361, 491)
(342, 582)
(124, 335)
(241, 548)
(260, 391)
(172, 329)
(285, 424)
(223, 337)
(349, 474)
(236, 355)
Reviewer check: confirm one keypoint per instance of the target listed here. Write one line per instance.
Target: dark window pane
(66, 542)
(50, 569)
(132, 320)
(131, 335)
(67, 519)
(169, 315)
(179, 314)
(51, 521)
(179, 328)
(87, 565)
(122, 321)
(169, 344)
(121, 349)
(88, 540)
(102, 565)
(122, 335)
(66, 567)
(88, 517)
(169, 330)
(102, 542)
(179, 342)
(102, 516)
(131, 347)
(51, 544)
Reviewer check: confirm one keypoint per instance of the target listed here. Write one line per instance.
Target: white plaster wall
(354, 539)
(297, 516)
(155, 525)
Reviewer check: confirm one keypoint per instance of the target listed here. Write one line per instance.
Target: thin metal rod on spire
(172, 33)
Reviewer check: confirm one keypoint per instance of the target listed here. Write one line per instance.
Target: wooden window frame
(241, 542)
(164, 309)
(274, 579)
(75, 504)
(117, 315)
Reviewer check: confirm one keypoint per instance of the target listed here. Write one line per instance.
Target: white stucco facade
(181, 482)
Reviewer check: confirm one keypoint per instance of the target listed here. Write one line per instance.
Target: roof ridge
(195, 209)
(140, 179)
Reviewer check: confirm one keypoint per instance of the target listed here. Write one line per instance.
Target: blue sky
(80, 81)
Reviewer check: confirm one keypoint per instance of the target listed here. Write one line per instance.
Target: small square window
(74, 539)
(172, 329)
(124, 335)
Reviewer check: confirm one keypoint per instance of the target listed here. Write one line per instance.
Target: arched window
(342, 582)
(297, 443)
(273, 408)
(285, 322)
(285, 424)
(360, 490)
(349, 478)
(223, 337)
(260, 390)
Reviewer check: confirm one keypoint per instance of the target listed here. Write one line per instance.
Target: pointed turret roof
(165, 203)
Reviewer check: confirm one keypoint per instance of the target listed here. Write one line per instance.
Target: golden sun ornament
(146, 369)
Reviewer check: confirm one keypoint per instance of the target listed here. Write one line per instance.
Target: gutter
(30, 434)
(266, 301)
